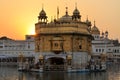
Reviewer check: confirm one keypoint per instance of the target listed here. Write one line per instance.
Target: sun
(31, 30)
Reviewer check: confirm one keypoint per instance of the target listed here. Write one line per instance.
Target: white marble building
(13, 48)
(103, 45)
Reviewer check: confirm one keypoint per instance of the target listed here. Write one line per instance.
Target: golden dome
(42, 12)
(76, 14)
(106, 32)
(95, 30)
(65, 18)
(42, 15)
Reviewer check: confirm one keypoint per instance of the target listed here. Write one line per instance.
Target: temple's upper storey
(65, 24)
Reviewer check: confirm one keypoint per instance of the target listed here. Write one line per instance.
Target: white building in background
(103, 45)
(13, 48)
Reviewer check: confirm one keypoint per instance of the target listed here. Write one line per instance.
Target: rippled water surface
(11, 73)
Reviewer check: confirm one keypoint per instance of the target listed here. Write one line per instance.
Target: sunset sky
(17, 17)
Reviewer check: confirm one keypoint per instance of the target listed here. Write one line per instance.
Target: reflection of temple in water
(64, 43)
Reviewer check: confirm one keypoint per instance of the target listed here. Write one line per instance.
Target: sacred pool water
(9, 72)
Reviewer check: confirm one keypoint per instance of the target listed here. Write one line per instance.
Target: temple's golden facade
(70, 37)
(67, 34)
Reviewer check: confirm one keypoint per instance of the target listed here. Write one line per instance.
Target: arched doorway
(55, 64)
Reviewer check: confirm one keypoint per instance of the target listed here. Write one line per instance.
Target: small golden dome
(106, 32)
(76, 12)
(42, 13)
(95, 30)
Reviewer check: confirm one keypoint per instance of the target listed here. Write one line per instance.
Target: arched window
(96, 50)
(56, 44)
(80, 47)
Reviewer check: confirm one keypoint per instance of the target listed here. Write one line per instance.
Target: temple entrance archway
(56, 61)
(55, 64)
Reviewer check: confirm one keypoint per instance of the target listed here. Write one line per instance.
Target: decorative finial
(94, 22)
(66, 10)
(51, 18)
(87, 18)
(57, 12)
(54, 17)
(42, 6)
(76, 5)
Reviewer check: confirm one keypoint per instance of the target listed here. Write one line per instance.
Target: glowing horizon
(18, 18)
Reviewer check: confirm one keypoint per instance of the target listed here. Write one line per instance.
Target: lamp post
(41, 63)
(69, 59)
(20, 60)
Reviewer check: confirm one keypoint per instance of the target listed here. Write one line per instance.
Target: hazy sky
(17, 17)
